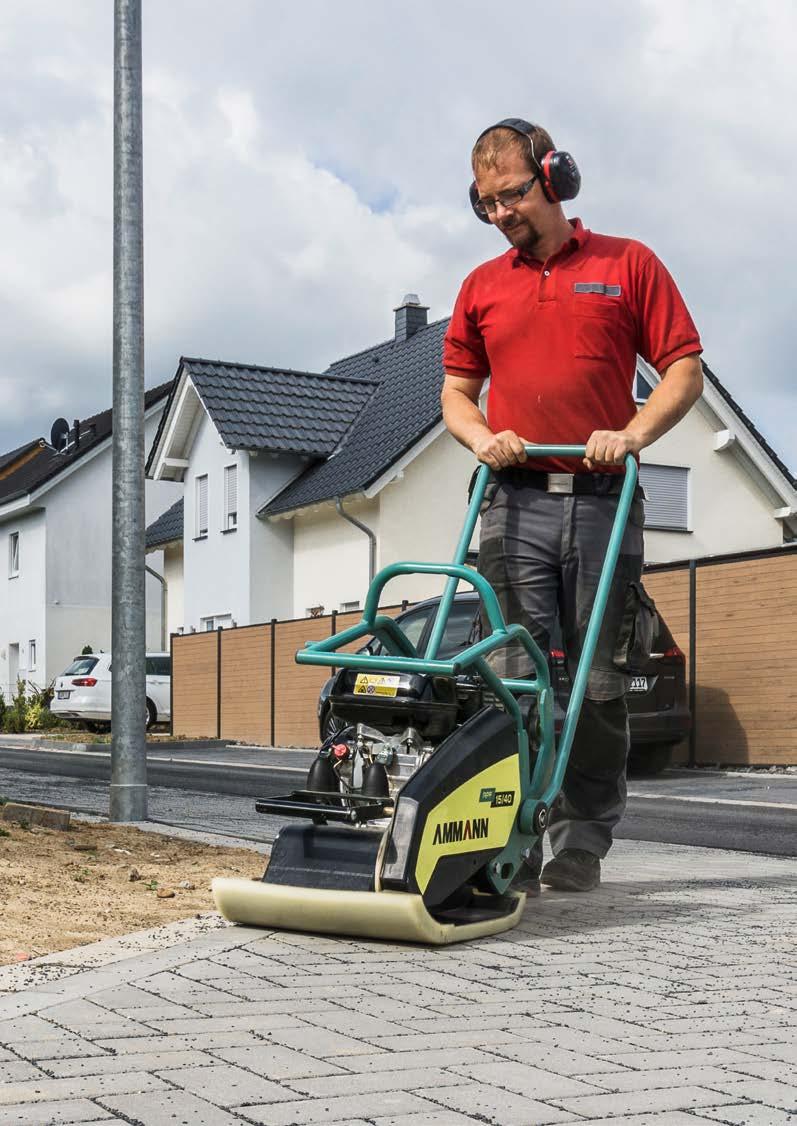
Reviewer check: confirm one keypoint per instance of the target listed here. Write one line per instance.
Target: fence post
(218, 683)
(693, 662)
(333, 628)
(171, 684)
(273, 681)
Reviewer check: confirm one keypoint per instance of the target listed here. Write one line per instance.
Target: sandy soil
(60, 889)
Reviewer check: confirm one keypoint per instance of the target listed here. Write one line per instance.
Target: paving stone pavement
(668, 997)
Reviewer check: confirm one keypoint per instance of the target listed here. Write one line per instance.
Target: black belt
(568, 484)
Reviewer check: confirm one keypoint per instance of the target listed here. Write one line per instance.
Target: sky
(306, 165)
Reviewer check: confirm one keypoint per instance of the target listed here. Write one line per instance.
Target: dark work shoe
(527, 879)
(572, 869)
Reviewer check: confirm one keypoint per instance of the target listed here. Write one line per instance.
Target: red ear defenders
(560, 178)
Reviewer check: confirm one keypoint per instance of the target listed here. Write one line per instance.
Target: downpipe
(164, 602)
(363, 528)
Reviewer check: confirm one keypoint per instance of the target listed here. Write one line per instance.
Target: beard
(522, 235)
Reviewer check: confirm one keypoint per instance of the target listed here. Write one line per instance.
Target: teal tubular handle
(400, 654)
(595, 620)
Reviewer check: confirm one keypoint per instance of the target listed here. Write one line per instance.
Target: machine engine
(393, 723)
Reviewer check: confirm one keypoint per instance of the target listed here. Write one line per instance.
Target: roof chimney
(410, 316)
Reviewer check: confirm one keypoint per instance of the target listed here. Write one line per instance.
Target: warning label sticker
(376, 684)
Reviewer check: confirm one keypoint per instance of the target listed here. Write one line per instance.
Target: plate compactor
(418, 813)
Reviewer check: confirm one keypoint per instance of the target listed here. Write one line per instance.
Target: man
(556, 322)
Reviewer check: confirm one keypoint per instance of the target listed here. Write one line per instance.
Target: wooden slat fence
(745, 661)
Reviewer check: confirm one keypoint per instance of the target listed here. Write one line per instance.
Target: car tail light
(557, 654)
(85, 681)
(674, 653)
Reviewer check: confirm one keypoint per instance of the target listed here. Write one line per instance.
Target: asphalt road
(212, 789)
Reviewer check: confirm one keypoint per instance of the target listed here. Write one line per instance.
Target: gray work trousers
(542, 553)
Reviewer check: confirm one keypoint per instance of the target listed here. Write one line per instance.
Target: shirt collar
(575, 242)
(579, 236)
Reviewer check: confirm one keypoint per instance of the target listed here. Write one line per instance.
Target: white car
(83, 691)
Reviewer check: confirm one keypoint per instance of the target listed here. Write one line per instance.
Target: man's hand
(499, 451)
(609, 447)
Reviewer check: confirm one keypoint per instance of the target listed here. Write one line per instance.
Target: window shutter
(667, 491)
(231, 497)
(202, 505)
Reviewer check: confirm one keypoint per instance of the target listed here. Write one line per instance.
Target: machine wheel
(330, 725)
(650, 760)
(152, 715)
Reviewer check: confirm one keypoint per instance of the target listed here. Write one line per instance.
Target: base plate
(391, 915)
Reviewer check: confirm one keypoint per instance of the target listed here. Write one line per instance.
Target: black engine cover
(428, 703)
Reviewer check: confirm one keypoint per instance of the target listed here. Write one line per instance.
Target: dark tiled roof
(47, 464)
(168, 528)
(753, 430)
(404, 407)
(257, 408)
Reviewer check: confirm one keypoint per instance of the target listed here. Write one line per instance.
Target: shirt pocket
(598, 321)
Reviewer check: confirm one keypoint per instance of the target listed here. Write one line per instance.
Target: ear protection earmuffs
(560, 178)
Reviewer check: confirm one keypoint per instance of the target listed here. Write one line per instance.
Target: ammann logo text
(448, 831)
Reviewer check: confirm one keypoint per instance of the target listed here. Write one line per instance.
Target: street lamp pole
(128, 794)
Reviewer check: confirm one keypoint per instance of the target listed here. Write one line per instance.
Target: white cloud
(306, 166)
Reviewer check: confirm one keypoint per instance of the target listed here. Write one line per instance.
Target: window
(349, 607)
(13, 555)
(412, 623)
(81, 666)
(667, 491)
(642, 389)
(31, 655)
(230, 498)
(202, 506)
(218, 621)
(159, 666)
(459, 630)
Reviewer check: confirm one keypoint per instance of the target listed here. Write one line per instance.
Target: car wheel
(330, 725)
(650, 760)
(152, 715)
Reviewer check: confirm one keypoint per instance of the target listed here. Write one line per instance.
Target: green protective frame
(539, 786)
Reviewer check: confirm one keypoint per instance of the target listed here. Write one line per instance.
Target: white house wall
(729, 510)
(173, 573)
(421, 515)
(331, 558)
(216, 577)
(271, 550)
(22, 617)
(79, 558)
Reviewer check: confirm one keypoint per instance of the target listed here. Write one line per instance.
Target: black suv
(657, 701)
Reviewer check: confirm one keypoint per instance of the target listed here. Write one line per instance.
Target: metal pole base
(128, 802)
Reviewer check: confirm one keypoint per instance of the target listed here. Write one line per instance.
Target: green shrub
(86, 650)
(34, 713)
(16, 711)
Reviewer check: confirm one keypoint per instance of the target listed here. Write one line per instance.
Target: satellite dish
(59, 435)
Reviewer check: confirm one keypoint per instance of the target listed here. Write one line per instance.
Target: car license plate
(638, 684)
(64, 695)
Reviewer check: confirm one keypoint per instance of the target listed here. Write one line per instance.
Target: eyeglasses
(508, 198)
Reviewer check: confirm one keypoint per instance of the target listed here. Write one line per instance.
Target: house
(336, 473)
(55, 526)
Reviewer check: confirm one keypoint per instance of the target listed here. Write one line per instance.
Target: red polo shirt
(559, 338)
